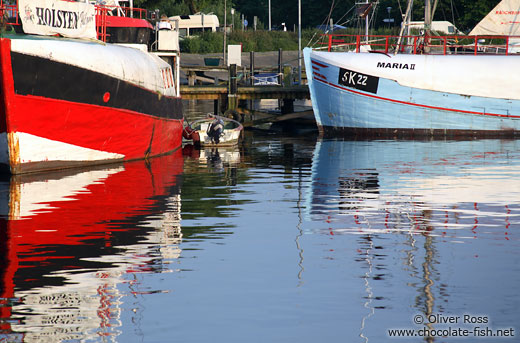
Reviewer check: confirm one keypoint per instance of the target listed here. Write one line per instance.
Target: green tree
(465, 14)
(471, 12)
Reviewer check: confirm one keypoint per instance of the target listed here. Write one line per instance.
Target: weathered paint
(13, 148)
(72, 121)
(407, 105)
(41, 77)
(124, 63)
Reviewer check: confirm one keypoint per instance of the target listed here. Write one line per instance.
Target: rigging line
(452, 13)
(324, 22)
(344, 15)
(434, 8)
(331, 9)
(330, 12)
(400, 8)
(311, 43)
(344, 23)
(373, 18)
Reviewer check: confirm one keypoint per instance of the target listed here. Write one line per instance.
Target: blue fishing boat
(425, 85)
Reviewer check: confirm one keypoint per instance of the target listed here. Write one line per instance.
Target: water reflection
(283, 239)
(440, 188)
(70, 238)
(210, 183)
(433, 219)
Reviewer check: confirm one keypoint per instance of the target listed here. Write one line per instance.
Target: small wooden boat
(217, 131)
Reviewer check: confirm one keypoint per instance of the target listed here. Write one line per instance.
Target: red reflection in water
(57, 222)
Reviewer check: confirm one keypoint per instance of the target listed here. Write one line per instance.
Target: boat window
(196, 30)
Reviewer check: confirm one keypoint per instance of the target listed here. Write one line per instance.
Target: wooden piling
(233, 87)
(280, 60)
(287, 105)
(251, 73)
(252, 68)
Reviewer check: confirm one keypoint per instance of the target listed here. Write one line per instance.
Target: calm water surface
(283, 239)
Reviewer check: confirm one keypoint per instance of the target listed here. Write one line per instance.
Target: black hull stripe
(400, 133)
(50, 79)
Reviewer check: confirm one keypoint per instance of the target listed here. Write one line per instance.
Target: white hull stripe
(36, 197)
(38, 149)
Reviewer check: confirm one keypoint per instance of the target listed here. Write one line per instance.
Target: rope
(311, 43)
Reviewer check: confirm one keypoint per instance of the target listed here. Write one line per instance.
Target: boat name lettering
(396, 65)
(57, 18)
(358, 80)
(507, 12)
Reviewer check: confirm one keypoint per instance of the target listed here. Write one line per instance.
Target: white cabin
(438, 26)
(196, 23)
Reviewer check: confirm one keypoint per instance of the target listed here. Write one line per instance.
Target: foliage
(259, 41)
(465, 14)
(205, 43)
(211, 42)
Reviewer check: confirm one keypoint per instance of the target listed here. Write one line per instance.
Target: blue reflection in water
(420, 186)
(435, 219)
(281, 239)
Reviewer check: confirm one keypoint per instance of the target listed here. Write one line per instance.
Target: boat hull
(389, 102)
(58, 112)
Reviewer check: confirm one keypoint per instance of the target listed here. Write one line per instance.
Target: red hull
(134, 135)
(107, 134)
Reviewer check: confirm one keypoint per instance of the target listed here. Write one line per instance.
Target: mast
(363, 11)
(225, 32)
(405, 24)
(408, 29)
(300, 42)
(427, 17)
(366, 24)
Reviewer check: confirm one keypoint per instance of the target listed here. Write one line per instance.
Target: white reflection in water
(295, 240)
(414, 203)
(461, 189)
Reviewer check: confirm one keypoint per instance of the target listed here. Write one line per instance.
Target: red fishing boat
(84, 84)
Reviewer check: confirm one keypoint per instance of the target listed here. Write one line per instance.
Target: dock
(233, 88)
(217, 92)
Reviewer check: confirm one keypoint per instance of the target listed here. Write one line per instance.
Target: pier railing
(432, 45)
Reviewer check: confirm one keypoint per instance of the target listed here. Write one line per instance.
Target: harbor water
(285, 238)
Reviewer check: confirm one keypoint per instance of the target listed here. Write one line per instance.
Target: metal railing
(9, 14)
(101, 23)
(121, 11)
(432, 45)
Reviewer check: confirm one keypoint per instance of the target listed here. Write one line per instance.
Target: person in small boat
(215, 129)
(164, 24)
